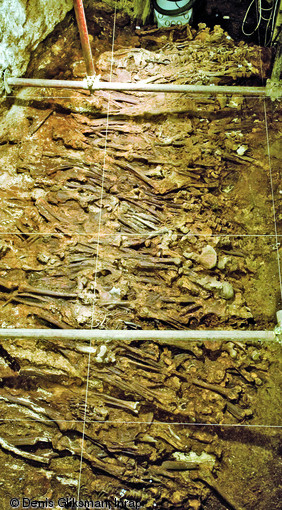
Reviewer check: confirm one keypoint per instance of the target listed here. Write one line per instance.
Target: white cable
(261, 16)
(247, 14)
(266, 31)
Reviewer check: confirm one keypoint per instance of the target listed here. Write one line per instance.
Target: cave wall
(23, 25)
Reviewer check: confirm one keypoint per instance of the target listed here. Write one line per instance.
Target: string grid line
(99, 229)
(269, 160)
(277, 244)
(96, 263)
(141, 234)
(186, 423)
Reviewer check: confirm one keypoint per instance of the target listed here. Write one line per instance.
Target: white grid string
(272, 197)
(141, 234)
(98, 236)
(270, 166)
(96, 264)
(116, 422)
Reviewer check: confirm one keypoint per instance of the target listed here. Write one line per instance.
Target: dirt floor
(141, 211)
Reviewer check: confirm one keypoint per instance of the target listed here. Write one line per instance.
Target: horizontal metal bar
(138, 87)
(133, 335)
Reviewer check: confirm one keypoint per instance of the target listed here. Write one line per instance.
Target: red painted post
(84, 37)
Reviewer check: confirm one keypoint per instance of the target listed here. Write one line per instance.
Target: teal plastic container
(167, 20)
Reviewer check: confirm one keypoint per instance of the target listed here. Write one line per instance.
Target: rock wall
(23, 25)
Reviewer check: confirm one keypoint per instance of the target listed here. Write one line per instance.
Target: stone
(226, 291)
(43, 258)
(241, 150)
(187, 265)
(222, 262)
(229, 347)
(255, 355)
(203, 458)
(208, 257)
(189, 254)
(4, 248)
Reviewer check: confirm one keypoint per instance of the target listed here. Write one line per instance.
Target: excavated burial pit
(187, 216)
(187, 206)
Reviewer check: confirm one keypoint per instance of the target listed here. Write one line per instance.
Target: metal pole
(138, 87)
(84, 37)
(133, 335)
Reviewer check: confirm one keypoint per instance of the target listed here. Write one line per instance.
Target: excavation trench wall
(23, 25)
